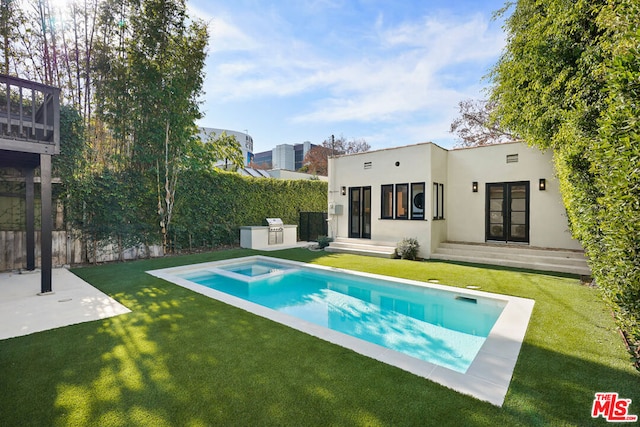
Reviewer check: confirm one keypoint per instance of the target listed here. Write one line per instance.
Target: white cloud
(411, 77)
(406, 72)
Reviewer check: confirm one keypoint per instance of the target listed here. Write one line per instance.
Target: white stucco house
(484, 204)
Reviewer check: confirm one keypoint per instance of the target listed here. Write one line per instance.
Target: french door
(360, 212)
(507, 212)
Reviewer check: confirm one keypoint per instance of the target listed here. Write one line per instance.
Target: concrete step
(563, 261)
(510, 248)
(515, 255)
(362, 247)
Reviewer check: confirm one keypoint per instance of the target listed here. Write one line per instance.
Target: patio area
(23, 311)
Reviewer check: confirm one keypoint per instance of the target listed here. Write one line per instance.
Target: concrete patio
(23, 311)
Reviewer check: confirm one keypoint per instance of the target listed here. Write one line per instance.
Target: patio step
(517, 256)
(364, 247)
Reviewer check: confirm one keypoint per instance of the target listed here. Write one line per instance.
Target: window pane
(518, 204)
(518, 218)
(366, 218)
(387, 201)
(496, 231)
(402, 201)
(417, 200)
(355, 211)
(434, 197)
(518, 231)
(496, 218)
(441, 202)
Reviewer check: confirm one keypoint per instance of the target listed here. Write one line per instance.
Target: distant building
(263, 159)
(244, 139)
(284, 156)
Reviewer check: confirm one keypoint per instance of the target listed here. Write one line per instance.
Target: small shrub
(408, 248)
(323, 241)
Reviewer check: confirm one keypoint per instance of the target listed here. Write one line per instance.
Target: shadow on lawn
(503, 268)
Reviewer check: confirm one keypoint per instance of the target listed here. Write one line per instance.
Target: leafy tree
(316, 160)
(568, 81)
(222, 152)
(475, 126)
(151, 97)
(546, 86)
(11, 17)
(71, 163)
(112, 81)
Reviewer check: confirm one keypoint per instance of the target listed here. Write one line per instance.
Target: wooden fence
(67, 249)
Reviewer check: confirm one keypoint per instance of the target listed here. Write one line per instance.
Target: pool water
(255, 268)
(446, 328)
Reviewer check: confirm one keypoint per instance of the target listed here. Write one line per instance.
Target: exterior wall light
(542, 185)
(343, 190)
(474, 186)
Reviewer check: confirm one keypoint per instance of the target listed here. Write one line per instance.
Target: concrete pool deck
(23, 311)
(487, 378)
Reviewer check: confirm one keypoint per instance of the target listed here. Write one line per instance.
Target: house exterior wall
(414, 165)
(548, 226)
(439, 175)
(453, 171)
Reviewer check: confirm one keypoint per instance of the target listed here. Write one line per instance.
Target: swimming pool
(431, 330)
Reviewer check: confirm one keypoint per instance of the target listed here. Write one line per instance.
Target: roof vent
(367, 165)
(512, 158)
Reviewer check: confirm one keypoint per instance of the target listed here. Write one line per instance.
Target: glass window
(387, 201)
(441, 200)
(402, 201)
(438, 201)
(434, 198)
(417, 200)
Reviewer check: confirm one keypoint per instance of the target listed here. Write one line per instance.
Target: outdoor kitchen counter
(257, 237)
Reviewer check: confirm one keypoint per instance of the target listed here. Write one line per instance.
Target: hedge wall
(210, 207)
(569, 80)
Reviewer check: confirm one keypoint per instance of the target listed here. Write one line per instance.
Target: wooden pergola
(29, 136)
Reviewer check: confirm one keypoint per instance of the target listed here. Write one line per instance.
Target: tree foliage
(475, 126)
(216, 151)
(316, 160)
(569, 81)
(151, 100)
(11, 17)
(133, 70)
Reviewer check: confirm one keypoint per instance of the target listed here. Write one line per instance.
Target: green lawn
(182, 359)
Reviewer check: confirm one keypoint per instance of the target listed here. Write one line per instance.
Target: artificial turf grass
(183, 359)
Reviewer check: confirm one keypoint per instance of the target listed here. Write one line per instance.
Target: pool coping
(487, 378)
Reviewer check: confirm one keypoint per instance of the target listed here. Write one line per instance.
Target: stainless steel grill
(276, 231)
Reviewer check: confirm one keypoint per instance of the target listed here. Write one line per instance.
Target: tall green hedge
(116, 206)
(211, 206)
(569, 80)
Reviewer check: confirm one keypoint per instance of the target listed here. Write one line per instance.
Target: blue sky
(391, 72)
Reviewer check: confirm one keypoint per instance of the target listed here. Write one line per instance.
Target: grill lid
(274, 222)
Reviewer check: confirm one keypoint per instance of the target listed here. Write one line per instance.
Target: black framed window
(387, 201)
(417, 200)
(438, 201)
(402, 201)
